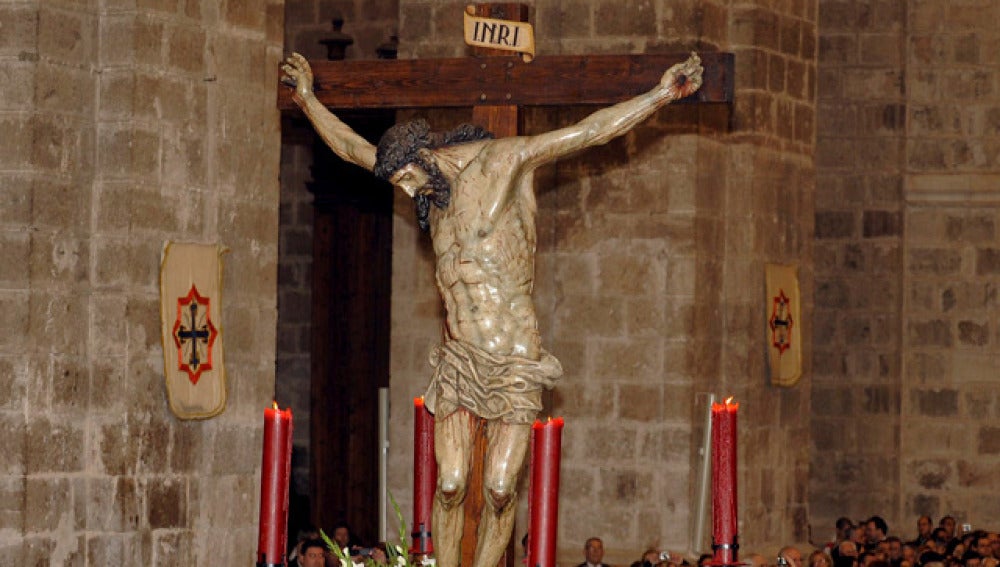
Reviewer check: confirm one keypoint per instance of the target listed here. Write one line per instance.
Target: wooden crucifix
(482, 226)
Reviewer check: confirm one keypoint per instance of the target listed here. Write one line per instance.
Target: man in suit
(313, 553)
(925, 531)
(593, 552)
(876, 530)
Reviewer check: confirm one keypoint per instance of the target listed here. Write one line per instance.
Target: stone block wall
(616, 291)
(650, 273)
(905, 235)
(766, 217)
(292, 372)
(369, 23)
(129, 126)
(951, 324)
(859, 269)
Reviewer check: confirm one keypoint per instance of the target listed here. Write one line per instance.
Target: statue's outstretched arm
(344, 141)
(679, 81)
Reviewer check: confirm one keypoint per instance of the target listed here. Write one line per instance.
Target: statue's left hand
(297, 73)
(683, 79)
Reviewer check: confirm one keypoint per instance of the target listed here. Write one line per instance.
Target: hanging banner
(191, 329)
(784, 344)
(506, 35)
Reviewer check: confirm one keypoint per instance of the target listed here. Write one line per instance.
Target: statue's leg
(506, 446)
(453, 449)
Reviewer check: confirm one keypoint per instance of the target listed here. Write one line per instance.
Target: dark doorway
(352, 270)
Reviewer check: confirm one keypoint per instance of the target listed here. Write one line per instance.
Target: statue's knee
(499, 496)
(451, 488)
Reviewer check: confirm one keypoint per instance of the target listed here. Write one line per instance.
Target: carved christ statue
(475, 196)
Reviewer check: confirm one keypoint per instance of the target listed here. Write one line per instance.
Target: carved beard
(439, 195)
(401, 145)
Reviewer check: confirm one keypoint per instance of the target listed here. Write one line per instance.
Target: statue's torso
(485, 262)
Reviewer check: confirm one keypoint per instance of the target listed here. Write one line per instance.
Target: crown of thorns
(401, 144)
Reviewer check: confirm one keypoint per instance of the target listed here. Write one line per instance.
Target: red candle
(275, 471)
(424, 477)
(543, 493)
(724, 537)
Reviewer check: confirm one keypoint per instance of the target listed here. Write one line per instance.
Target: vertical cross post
(503, 120)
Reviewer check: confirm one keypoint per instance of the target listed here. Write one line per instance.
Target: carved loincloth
(491, 386)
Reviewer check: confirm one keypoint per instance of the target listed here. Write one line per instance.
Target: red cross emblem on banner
(781, 322)
(194, 334)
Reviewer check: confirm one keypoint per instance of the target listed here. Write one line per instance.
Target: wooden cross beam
(498, 87)
(472, 81)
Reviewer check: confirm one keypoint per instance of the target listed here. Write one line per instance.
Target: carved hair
(401, 145)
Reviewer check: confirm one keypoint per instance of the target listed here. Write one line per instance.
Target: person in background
(842, 528)
(819, 558)
(379, 555)
(876, 531)
(650, 557)
(342, 535)
(753, 560)
(653, 557)
(925, 531)
(675, 560)
(894, 550)
(846, 554)
(909, 556)
(947, 523)
(791, 555)
(859, 535)
(593, 552)
(313, 553)
(305, 534)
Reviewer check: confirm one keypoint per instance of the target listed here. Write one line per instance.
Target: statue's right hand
(683, 79)
(297, 73)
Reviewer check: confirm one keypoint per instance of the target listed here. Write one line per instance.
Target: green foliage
(396, 554)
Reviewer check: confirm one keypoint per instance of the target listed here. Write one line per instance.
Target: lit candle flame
(729, 400)
(274, 404)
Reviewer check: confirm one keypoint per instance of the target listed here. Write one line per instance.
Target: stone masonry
(127, 124)
(369, 23)
(951, 320)
(907, 330)
(859, 227)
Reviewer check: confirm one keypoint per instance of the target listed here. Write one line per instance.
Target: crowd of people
(311, 550)
(870, 544)
(867, 543)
